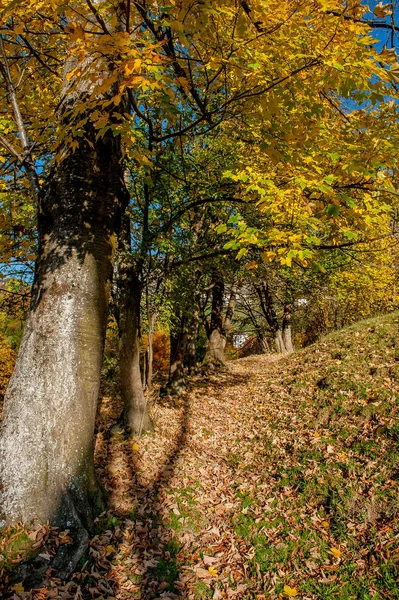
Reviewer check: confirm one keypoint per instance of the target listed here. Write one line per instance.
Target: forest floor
(276, 478)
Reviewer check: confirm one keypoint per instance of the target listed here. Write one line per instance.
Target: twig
(27, 158)
(11, 149)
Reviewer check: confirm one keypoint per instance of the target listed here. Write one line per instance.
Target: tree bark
(279, 341)
(50, 406)
(178, 342)
(263, 343)
(268, 309)
(149, 353)
(287, 330)
(228, 320)
(287, 339)
(46, 444)
(136, 414)
(214, 355)
(192, 337)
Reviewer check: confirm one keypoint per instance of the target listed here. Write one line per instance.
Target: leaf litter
(276, 478)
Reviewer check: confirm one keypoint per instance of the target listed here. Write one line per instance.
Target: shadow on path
(146, 562)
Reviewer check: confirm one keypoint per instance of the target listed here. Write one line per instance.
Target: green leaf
(332, 210)
(242, 253)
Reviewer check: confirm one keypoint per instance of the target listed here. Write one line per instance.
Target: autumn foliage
(7, 362)
(161, 350)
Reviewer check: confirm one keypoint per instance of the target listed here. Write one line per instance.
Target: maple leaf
(382, 10)
(290, 592)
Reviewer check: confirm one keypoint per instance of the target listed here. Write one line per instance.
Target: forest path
(179, 492)
(277, 478)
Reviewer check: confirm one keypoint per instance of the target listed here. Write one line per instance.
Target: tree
(117, 70)
(50, 405)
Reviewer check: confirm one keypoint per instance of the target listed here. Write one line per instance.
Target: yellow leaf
(70, 75)
(135, 447)
(289, 591)
(18, 588)
(66, 539)
(213, 571)
(382, 10)
(335, 552)
(325, 524)
(109, 549)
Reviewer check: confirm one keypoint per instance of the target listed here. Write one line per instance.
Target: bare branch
(11, 149)
(369, 22)
(27, 158)
(98, 17)
(352, 243)
(38, 57)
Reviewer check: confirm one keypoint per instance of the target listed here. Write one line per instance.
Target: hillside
(278, 478)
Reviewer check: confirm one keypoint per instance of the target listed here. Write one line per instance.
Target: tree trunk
(263, 343)
(279, 341)
(214, 355)
(178, 341)
(287, 332)
(230, 310)
(149, 353)
(46, 445)
(50, 406)
(269, 311)
(287, 338)
(191, 350)
(136, 414)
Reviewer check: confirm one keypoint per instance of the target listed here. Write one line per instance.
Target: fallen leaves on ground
(277, 478)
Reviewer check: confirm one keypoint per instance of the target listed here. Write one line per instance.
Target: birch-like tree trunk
(287, 328)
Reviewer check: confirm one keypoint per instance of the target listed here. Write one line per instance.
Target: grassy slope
(327, 454)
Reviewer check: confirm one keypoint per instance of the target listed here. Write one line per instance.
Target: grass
(189, 516)
(15, 547)
(334, 473)
(167, 569)
(202, 591)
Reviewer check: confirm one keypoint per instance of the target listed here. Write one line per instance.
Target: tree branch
(27, 158)
(353, 243)
(38, 57)
(98, 17)
(186, 261)
(10, 149)
(370, 23)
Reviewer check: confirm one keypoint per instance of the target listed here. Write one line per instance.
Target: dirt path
(177, 493)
